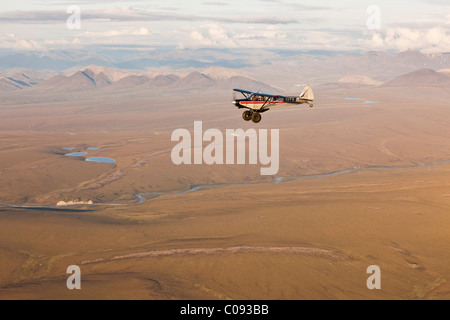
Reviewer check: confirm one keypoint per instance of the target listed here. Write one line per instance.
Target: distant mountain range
(418, 78)
(421, 78)
(380, 62)
(58, 60)
(51, 60)
(95, 77)
(22, 80)
(374, 63)
(98, 77)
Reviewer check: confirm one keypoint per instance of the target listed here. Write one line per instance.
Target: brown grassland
(244, 237)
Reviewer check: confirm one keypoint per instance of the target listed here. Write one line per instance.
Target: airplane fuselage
(257, 103)
(262, 104)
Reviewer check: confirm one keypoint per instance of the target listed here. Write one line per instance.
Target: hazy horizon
(422, 25)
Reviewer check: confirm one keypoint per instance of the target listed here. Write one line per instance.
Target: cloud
(11, 41)
(143, 31)
(254, 36)
(216, 36)
(210, 35)
(402, 39)
(295, 5)
(52, 16)
(438, 2)
(62, 2)
(123, 14)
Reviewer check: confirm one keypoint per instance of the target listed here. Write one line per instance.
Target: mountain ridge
(420, 78)
(94, 77)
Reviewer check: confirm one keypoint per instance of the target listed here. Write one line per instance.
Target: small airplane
(257, 103)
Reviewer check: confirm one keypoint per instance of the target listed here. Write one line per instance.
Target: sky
(346, 25)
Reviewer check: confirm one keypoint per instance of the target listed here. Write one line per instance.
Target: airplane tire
(247, 115)
(256, 117)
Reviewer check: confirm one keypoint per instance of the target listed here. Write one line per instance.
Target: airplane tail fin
(307, 93)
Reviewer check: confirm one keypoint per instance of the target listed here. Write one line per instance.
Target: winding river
(142, 197)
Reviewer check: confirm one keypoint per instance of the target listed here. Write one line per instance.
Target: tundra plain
(240, 236)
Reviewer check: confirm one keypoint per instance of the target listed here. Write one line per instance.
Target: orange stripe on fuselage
(259, 104)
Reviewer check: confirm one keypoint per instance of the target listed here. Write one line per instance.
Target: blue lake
(101, 160)
(76, 154)
(93, 148)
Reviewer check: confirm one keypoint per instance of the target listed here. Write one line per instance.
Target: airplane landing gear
(247, 115)
(250, 115)
(256, 117)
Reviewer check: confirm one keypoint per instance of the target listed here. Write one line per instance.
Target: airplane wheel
(311, 105)
(247, 115)
(256, 117)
